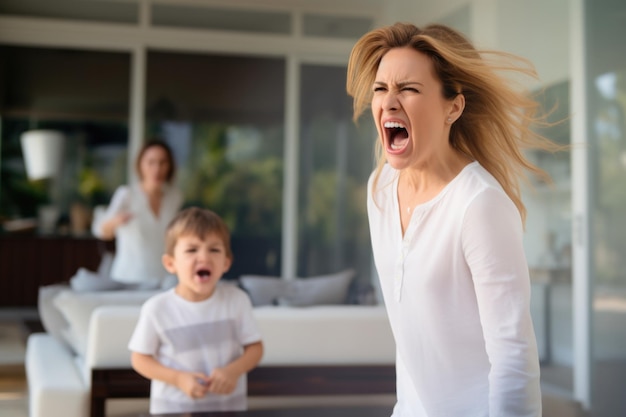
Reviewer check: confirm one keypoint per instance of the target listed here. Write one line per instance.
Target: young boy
(197, 341)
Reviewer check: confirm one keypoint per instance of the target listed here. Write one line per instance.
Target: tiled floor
(13, 395)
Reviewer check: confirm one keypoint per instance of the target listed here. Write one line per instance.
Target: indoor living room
(251, 97)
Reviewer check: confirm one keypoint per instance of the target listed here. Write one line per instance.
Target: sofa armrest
(55, 386)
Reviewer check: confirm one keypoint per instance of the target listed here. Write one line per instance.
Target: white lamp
(43, 153)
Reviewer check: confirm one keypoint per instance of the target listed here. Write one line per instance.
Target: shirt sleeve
(145, 338)
(493, 247)
(248, 328)
(119, 203)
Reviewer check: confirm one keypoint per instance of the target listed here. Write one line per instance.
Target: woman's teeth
(394, 125)
(397, 134)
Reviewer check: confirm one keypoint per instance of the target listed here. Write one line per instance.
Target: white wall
(535, 29)
(539, 31)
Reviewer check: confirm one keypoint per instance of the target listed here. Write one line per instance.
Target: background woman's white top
(140, 243)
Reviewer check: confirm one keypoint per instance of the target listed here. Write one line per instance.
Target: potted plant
(91, 191)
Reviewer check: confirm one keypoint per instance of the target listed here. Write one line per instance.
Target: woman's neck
(154, 195)
(152, 189)
(434, 174)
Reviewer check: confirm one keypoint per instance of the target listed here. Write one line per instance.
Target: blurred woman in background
(138, 215)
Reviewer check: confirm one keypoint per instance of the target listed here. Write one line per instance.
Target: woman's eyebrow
(409, 83)
(400, 84)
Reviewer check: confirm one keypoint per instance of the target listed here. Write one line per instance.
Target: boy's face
(199, 265)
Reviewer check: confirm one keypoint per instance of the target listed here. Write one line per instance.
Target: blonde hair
(495, 126)
(197, 222)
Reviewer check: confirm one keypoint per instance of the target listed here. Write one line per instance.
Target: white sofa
(315, 342)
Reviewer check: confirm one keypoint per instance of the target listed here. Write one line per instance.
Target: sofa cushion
(76, 308)
(87, 281)
(325, 335)
(315, 290)
(52, 320)
(318, 290)
(110, 330)
(263, 290)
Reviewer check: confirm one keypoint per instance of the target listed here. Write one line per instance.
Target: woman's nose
(390, 102)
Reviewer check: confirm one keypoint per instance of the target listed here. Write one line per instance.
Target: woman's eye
(410, 89)
(377, 89)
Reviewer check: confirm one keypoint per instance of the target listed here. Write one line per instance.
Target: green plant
(91, 188)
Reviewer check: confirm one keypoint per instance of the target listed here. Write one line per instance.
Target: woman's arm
(493, 246)
(108, 227)
(117, 214)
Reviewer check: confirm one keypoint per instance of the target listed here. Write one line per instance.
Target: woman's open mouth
(397, 135)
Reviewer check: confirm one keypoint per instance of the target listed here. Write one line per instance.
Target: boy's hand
(194, 384)
(222, 381)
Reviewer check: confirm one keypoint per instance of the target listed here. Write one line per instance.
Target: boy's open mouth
(203, 273)
(397, 135)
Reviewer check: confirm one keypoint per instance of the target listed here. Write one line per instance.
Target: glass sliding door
(549, 247)
(224, 118)
(606, 83)
(548, 237)
(336, 158)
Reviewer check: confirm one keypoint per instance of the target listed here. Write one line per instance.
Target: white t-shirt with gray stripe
(196, 337)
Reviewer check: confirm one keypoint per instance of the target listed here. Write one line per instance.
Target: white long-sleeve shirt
(139, 243)
(457, 291)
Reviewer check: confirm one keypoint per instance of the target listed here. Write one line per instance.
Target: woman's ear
(458, 105)
(168, 263)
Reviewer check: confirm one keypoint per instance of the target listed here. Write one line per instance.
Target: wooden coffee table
(268, 381)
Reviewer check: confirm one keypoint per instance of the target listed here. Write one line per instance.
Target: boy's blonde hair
(197, 222)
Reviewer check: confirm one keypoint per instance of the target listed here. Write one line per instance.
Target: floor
(14, 398)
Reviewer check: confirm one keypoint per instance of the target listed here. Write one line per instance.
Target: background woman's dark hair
(168, 152)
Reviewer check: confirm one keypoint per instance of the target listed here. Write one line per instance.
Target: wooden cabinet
(29, 261)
